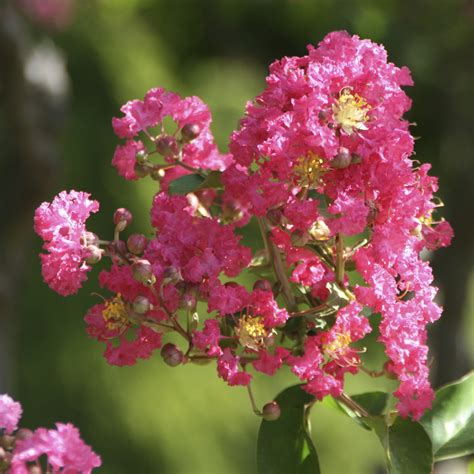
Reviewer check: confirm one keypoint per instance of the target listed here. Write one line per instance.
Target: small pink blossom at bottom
(10, 413)
(228, 369)
(64, 448)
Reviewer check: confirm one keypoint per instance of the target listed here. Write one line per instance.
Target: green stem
(278, 267)
(252, 401)
(340, 260)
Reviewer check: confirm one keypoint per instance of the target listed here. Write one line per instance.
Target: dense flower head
(65, 451)
(63, 447)
(61, 224)
(10, 414)
(192, 118)
(321, 168)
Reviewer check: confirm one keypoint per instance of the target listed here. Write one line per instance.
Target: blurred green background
(59, 89)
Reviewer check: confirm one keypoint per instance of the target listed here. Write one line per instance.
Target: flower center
(309, 169)
(350, 111)
(115, 313)
(338, 346)
(251, 332)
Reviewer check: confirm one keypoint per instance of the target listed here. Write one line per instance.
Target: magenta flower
(61, 224)
(65, 451)
(10, 414)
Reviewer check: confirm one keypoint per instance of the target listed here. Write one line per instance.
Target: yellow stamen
(252, 332)
(309, 170)
(350, 111)
(115, 313)
(338, 346)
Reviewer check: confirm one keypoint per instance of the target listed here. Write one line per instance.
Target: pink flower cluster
(321, 162)
(61, 224)
(63, 447)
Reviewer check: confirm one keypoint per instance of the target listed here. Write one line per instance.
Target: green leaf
(185, 184)
(212, 180)
(285, 446)
(450, 422)
(471, 467)
(408, 448)
(373, 402)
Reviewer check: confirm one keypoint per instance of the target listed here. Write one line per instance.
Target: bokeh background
(64, 72)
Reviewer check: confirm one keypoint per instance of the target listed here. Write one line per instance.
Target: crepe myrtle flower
(63, 447)
(321, 168)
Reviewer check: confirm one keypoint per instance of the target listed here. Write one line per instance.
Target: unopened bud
(171, 355)
(171, 275)
(141, 156)
(271, 411)
(263, 285)
(94, 254)
(23, 434)
(141, 171)
(143, 272)
(342, 159)
(190, 131)
(7, 441)
(274, 216)
(5, 460)
(141, 305)
(188, 301)
(122, 218)
(299, 238)
(323, 115)
(166, 145)
(231, 213)
(136, 243)
(355, 159)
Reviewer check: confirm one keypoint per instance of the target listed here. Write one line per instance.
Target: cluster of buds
(321, 162)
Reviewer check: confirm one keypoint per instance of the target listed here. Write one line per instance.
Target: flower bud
(188, 301)
(7, 441)
(141, 156)
(166, 145)
(323, 115)
(5, 460)
(136, 243)
(157, 173)
(171, 355)
(274, 216)
(190, 131)
(23, 433)
(299, 238)
(122, 218)
(94, 254)
(143, 272)
(141, 171)
(271, 411)
(342, 159)
(263, 285)
(141, 305)
(171, 275)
